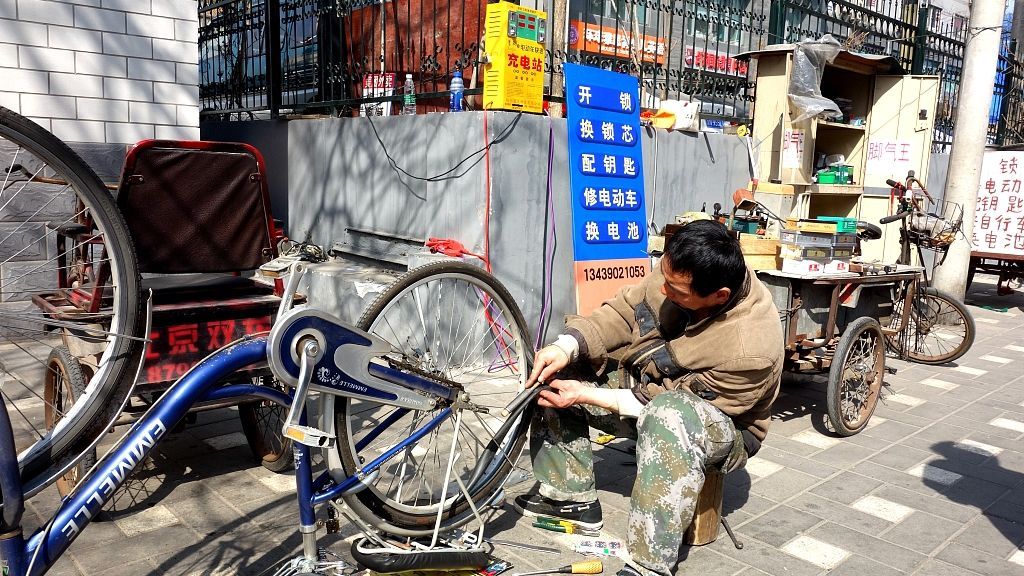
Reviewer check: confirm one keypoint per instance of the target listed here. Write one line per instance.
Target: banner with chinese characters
(609, 41)
(890, 158)
(374, 86)
(999, 212)
(714, 62)
(607, 183)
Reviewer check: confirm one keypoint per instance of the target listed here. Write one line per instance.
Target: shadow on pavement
(984, 484)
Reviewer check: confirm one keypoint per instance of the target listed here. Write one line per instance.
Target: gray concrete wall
(338, 176)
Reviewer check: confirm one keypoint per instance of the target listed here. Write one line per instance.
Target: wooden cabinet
(885, 131)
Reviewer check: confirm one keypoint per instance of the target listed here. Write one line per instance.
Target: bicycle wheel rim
(939, 329)
(855, 381)
(406, 495)
(51, 187)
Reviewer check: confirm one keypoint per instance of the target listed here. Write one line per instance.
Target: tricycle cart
(840, 324)
(198, 214)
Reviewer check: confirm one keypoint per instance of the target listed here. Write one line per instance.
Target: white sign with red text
(999, 211)
(375, 86)
(793, 148)
(892, 157)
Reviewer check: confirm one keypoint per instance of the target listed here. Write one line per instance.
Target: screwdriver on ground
(584, 567)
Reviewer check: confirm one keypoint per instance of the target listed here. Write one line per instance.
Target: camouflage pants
(678, 436)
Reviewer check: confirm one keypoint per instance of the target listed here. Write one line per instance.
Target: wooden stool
(708, 516)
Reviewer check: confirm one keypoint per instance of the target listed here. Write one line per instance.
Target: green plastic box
(843, 225)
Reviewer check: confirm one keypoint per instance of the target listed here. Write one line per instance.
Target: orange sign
(598, 39)
(600, 280)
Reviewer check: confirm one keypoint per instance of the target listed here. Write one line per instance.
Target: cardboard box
(754, 244)
(771, 188)
(763, 262)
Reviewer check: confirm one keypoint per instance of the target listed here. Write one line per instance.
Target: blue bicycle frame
(34, 556)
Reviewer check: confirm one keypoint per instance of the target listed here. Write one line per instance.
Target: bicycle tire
(35, 166)
(376, 504)
(853, 385)
(919, 337)
(66, 379)
(262, 421)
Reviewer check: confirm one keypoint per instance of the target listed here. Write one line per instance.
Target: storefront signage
(714, 61)
(793, 148)
(608, 41)
(607, 183)
(999, 211)
(890, 157)
(514, 72)
(375, 86)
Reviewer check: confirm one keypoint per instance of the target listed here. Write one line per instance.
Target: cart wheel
(65, 382)
(262, 422)
(855, 378)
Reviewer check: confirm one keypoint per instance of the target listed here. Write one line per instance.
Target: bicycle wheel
(939, 328)
(855, 378)
(262, 421)
(456, 324)
(65, 383)
(67, 276)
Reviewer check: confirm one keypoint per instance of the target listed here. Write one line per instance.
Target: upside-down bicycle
(421, 409)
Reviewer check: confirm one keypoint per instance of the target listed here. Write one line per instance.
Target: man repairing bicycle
(699, 347)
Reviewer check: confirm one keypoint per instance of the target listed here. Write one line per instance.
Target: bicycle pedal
(891, 370)
(312, 437)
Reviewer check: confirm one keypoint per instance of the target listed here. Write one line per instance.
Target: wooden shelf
(840, 125)
(836, 189)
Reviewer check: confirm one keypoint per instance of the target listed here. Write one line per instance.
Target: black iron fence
(334, 56)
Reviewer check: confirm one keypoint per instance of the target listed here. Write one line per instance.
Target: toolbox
(843, 225)
(801, 238)
(796, 252)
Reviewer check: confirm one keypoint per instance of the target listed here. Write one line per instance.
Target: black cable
(445, 175)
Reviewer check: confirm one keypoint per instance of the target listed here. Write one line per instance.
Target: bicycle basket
(936, 230)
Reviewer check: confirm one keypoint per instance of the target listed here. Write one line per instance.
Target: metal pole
(920, 38)
(272, 39)
(981, 54)
(559, 27)
(777, 22)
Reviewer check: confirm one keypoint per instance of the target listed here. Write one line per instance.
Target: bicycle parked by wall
(938, 328)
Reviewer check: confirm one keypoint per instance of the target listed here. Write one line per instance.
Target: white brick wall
(108, 71)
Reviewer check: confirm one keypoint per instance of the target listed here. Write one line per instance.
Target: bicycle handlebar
(894, 217)
(893, 183)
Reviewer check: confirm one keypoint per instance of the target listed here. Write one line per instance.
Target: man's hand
(546, 363)
(563, 394)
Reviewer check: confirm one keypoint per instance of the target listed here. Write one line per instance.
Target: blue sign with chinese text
(605, 164)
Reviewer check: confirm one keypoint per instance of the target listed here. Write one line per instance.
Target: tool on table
(585, 567)
(556, 525)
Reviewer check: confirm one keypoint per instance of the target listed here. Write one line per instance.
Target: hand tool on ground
(565, 526)
(585, 567)
(522, 545)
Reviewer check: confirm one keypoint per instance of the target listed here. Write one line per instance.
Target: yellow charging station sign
(514, 73)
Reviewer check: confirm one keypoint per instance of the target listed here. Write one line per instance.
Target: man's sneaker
(584, 514)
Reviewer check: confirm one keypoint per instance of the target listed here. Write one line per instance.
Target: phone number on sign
(614, 273)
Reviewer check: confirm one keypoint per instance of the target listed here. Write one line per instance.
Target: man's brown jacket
(733, 357)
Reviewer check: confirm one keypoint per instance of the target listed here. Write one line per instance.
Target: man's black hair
(710, 254)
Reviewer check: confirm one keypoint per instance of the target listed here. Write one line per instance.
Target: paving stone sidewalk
(932, 487)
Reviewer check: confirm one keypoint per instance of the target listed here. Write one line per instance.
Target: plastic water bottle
(456, 88)
(409, 98)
